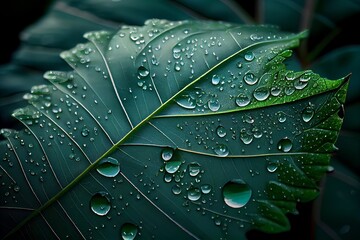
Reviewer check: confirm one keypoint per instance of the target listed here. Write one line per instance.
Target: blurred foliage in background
(37, 31)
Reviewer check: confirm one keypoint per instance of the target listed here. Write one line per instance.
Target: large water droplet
(167, 153)
(261, 93)
(128, 231)
(176, 52)
(100, 203)
(176, 189)
(194, 194)
(194, 169)
(250, 78)
(56, 76)
(172, 166)
(221, 150)
(275, 91)
(307, 114)
(215, 79)
(236, 193)
(214, 104)
(284, 145)
(221, 131)
(143, 72)
(186, 102)
(108, 167)
(242, 100)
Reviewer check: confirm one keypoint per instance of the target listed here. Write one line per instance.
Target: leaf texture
(187, 129)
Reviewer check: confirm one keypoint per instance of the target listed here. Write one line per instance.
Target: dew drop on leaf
(221, 150)
(108, 167)
(100, 203)
(194, 169)
(143, 72)
(272, 166)
(128, 231)
(172, 166)
(186, 102)
(215, 80)
(176, 189)
(194, 194)
(214, 104)
(236, 193)
(220, 131)
(167, 153)
(250, 78)
(249, 56)
(261, 93)
(206, 188)
(307, 114)
(284, 145)
(242, 100)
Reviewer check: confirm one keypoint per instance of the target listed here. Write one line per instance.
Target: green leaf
(193, 129)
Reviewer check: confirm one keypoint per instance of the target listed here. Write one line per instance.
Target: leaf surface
(193, 129)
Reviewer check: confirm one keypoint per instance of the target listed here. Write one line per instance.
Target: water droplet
(245, 137)
(272, 166)
(307, 114)
(249, 56)
(143, 72)
(236, 193)
(284, 145)
(221, 150)
(176, 52)
(215, 80)
(194, 194)
(250, 78)
(85, 131)
(242, 100)
(167, 153)
(290, 75)
(172, 166)
(281, 116)
(186, 102)
(214, 104)
(221, 131)
(56, 76)
(128, 231)
(108, 167)
(275, 91)
(261, 93)
(194, 169)
(100, 203)
(176, 189)
(206, 188)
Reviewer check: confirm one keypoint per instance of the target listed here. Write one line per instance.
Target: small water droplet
(85, 131)
(194, 169)
(108, 167)
(242, 100)
(281, 116)
(206, 188)
(176, 52)
(215, 80)
(272, 166)
(176, 189)
(261, 93)
(236, 193)
(249, 56)
(250, 78)
(194, 194)
(100, 203)
(221, 150)
(167, 153)
(307, 114)
(221, 131)
(284, 145)
(143, 72)
(128, 231)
